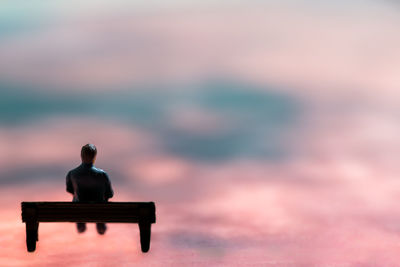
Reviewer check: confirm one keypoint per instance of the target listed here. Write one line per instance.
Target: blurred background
(266, 132)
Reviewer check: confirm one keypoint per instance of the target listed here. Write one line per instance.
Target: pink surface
(326, 209)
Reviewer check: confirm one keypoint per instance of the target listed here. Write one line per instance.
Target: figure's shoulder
(99, 170)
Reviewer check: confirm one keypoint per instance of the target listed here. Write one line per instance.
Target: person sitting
(89, 184)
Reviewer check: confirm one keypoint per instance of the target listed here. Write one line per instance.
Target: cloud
(248, 121)
(299, 44)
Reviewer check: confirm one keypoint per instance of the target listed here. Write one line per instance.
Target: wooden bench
(142, 213)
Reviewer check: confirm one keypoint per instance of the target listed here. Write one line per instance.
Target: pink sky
(329, 199)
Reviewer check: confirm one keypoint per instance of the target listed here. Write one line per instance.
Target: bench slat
(90, 212)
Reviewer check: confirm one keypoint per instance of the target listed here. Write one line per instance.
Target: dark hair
(88, 152)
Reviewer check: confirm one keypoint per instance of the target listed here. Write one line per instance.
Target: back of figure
(89, 184)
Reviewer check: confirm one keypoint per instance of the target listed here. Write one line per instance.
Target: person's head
(88, 153)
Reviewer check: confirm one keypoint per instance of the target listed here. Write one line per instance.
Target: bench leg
(37, 231)
(31, 235)
(145, 233)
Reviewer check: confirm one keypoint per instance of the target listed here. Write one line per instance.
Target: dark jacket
(89, 184)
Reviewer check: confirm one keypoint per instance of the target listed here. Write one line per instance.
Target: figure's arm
(109, 193)
(70, 187)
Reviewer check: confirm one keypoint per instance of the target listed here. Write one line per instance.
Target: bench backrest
(122, 212)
